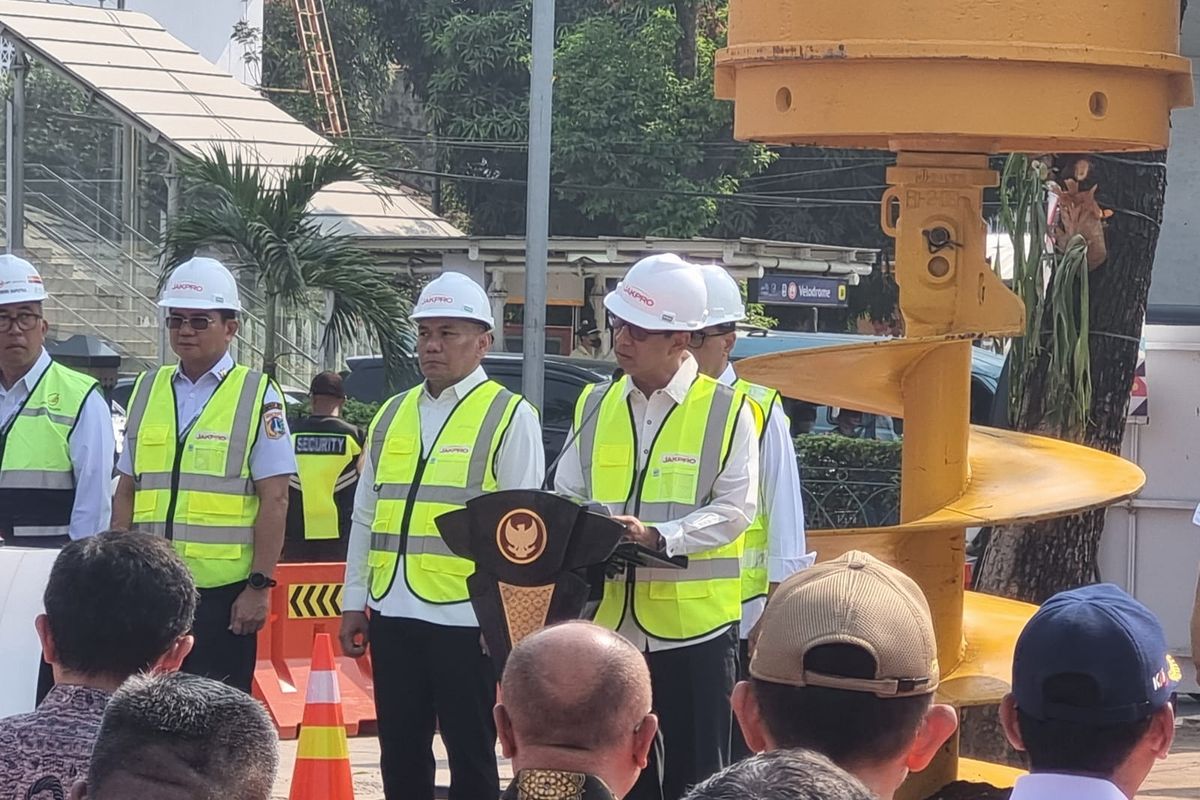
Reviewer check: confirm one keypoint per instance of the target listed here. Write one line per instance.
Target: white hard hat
(203, 284)
(725, 304)
(661, 293)
(453, 294)
(19, 281)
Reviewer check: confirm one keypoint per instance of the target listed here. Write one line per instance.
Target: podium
(540, 558)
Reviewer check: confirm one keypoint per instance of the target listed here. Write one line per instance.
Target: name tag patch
(309, 445)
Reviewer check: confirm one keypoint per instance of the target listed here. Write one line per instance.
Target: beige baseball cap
(857, 600)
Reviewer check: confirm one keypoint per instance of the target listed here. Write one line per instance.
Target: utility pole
(537, 203)
(15, 177)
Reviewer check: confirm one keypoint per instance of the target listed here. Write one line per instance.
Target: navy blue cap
(1100, 632)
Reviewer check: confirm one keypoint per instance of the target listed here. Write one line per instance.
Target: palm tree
(262, 215)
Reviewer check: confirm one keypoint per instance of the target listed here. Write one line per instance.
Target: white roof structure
(179, 100)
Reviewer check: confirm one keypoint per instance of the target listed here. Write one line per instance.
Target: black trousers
(429, 676)
(218, 653)
(738, 749)
(691, 687)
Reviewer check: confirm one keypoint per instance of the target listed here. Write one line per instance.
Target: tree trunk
(271, 341)
(1032, 562)
(686, 17)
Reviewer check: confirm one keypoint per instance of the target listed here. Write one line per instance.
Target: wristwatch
(260, 581)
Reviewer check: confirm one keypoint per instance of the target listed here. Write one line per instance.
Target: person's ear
(49, 651)
(938, 726)
(1010, 723)
(1161, 732)
(749, 717)
(172, 660)
(504, 730)
(79, 791)
(231, 328)
(643, 740)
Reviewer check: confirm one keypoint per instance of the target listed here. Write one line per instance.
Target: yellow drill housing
(944, 84)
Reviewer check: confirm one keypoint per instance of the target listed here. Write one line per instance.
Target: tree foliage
(634, 135)
(282, 249)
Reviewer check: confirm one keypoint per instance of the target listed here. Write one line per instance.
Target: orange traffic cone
(322, 754)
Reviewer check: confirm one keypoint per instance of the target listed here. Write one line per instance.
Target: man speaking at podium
(674, 455)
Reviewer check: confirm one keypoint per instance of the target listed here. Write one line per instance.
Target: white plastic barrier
(24, 573)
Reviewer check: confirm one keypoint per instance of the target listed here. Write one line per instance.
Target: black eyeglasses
(616, 325)
(698, 337)
(175, 322)
(25, 321)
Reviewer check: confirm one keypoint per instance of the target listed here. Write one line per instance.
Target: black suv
(565, 379)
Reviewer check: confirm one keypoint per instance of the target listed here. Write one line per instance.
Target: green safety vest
(194, 486)
(321, 462)
(415, 488)
(755, 582)
(37, 478)
(683, 465)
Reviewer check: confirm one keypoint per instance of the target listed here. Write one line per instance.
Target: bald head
(576, 686)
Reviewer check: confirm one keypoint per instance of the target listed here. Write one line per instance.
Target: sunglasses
(175, 322)
(616, 325)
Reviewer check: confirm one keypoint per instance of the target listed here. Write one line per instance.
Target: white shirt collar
(459, 390)
(677, 388)
(218, 371)
(1056, 786)
(728, 376)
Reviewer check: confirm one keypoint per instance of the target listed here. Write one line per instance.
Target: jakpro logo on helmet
(638, 295)
(438, 300)
(185, 286)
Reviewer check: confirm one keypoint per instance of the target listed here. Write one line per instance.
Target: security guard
(321, 496)
(673, 454)
(56, 431)
(774, 547)
(206, 463)
(429, 450)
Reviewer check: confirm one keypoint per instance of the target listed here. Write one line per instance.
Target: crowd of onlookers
(840, 704)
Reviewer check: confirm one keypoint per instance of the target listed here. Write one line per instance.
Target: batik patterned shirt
(554, 784)
(43, 753)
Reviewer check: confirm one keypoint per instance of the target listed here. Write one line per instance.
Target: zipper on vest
(181, 438)
(406, 520)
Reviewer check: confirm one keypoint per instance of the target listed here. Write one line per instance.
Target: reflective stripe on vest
(685, 459)
(414, 488)
(321, 460)
(198, 491)
(37, 478)
(755, 580)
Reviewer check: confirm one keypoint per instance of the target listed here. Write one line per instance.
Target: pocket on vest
(209, 551)
(145, 504)
(683, 590)
(205, 504)
(446, 565)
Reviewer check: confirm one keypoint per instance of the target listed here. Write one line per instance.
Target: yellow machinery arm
(945, 83)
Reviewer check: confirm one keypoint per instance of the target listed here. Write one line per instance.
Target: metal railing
(136, 270)
(849, 497)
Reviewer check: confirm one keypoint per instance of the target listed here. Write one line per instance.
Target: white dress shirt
(735, 493)
(1054, 786)
(782, 505)
(91, 446)
(520, 464)
(269, 455)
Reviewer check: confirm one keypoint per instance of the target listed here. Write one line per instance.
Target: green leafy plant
(282, 250)
(1053, 286)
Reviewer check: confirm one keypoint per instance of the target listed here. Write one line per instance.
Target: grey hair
(782, 775)
(220, 737)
